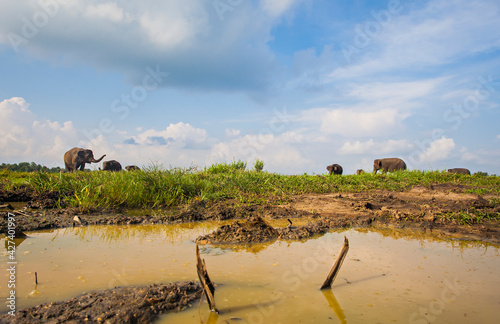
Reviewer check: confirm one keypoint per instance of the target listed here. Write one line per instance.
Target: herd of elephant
(76, 158)
(388, 165)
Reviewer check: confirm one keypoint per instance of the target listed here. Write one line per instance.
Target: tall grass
(157, 188)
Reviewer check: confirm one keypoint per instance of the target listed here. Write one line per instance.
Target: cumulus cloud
(356, 122)
(439, 149)
(232, 132)
(25, 136)
(107, 11)
(371, 109)
(277, 7)
(185, 38)
(180, 135)
(279, 152)
(372, 147)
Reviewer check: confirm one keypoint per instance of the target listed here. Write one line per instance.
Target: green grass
(158, 188)
(470, 216)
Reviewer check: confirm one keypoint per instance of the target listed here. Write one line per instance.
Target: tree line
(29, 167)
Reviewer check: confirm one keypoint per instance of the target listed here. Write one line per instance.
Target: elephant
(459, 171)
(388, 165)
(111, 165)
(132, 168)
(335, 169)
(76, 158)
(360, 171)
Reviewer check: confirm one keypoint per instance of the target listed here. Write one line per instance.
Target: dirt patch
(119, 305)
(445, 209)
(306, 231)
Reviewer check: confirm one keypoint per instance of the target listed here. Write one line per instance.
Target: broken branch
(206, 283)
(336, 266)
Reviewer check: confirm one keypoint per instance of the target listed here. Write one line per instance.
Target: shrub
(258, 165)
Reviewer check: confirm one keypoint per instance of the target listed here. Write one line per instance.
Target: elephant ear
(81, 154)
(89, 154)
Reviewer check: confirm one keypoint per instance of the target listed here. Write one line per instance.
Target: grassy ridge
(155, 188)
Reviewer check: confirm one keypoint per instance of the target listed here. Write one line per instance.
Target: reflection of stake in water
(212, 318)
(334, 304)
(35, 291)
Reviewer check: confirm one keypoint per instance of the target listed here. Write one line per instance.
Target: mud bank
(257, 230)
(119, 305)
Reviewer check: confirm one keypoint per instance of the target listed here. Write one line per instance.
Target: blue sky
(299, 84)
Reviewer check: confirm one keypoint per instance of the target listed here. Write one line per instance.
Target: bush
(226, 167)
(258, 165)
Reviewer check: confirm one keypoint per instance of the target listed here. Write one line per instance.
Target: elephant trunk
(99, 160)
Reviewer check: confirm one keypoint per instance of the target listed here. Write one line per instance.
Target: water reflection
(334, 304)
(212, 318)
(220, 248)
(17, 242)
(118, 233)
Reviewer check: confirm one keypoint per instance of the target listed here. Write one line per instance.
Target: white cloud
(277, 7)
(232, 132)
(179, 135)
(372, 108)
(174, 31)
(108, 11)
(356, 122)
(371, 147)
(279, 152)
(26, 137)
(185, 38)
(392, 93)
(446, 30)
(438, 150)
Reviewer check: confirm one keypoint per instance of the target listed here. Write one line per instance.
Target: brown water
(387, 276)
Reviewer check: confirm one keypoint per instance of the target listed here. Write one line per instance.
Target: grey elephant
(334, 169)
(388, 165)
(76, 158)
(132, 168)
(360, 171)
(459, 171)
(111, 165)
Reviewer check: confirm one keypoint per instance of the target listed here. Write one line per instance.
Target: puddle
(387, 276)
(17, 205)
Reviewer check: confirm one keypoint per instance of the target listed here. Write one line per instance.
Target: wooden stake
(206, 283)
(336, 266)
(36, 279)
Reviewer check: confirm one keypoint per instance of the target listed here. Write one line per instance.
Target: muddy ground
(442, 208)
(119, 305)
